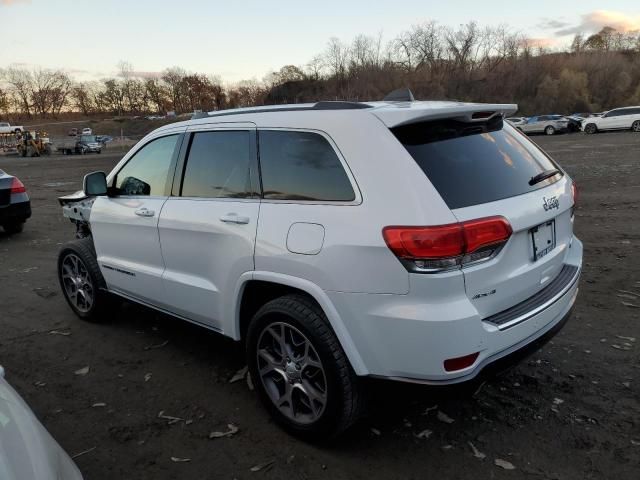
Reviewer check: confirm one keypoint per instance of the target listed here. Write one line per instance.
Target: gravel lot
(572, 411)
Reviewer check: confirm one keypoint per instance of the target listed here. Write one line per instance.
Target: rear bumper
(408, 337)
(15, 212)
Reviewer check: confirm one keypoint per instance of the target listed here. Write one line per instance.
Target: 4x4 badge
(550, 203)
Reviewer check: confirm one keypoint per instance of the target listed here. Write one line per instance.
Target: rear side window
(218, 165)
(470, 164)
(301, 166)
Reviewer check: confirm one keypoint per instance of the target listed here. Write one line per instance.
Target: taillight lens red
(446, 241)
(425, 242)
(574, 193)
(485, 232)
(17, 186)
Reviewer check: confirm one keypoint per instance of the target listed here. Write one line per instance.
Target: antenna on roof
(399, 95)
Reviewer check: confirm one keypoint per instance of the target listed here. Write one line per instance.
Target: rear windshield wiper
(543, 176)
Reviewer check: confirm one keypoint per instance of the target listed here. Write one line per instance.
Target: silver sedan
(547, 124)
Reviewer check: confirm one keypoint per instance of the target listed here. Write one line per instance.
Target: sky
(238, 40)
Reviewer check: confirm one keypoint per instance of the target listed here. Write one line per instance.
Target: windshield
(470, 164)
(88, 138)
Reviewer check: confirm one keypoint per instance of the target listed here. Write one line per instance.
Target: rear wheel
(13, 227)
(299, 369)
(636, 126)
(81, 281)
(590, 128)
(549, 130)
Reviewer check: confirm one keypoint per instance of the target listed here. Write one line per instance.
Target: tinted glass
(474, 164)
(218, 165)
(147, 172)
(301, 166)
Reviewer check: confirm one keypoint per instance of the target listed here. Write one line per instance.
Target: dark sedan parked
(15, 206)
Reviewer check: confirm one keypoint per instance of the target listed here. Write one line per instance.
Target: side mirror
(95, 184)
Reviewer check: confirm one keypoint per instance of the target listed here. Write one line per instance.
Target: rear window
(470, 164)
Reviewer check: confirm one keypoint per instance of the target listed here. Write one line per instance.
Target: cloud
(594, 21)
(553, 24)
(13, 2)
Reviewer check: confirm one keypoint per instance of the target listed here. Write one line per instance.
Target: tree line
(468, 63)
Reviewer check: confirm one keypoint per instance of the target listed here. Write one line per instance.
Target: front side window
(147, 172)
(218, 165)
(301, 166)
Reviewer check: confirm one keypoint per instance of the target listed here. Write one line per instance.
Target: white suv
(627, 118)
(417, 241)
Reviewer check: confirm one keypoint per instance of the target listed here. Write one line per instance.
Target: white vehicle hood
(27, 450)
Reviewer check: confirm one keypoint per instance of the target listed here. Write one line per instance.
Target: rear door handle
(234, 218)
(145, 212)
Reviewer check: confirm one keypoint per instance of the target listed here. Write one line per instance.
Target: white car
(627, 118)
(86, 131)
(27, 450)
(415, 241)
(517, 121)
(6, 127)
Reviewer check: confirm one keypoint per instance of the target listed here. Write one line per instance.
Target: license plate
(543, 238)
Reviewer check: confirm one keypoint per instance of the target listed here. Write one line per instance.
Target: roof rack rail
(400, 95)
(322, 105)
(339, 105)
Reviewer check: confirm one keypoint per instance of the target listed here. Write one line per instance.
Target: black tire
(636, 126)
(590, 128)
(13, 227)
(549, 130)
(84, 251)
(344, 399)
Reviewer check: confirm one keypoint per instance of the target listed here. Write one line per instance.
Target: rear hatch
(488, 169)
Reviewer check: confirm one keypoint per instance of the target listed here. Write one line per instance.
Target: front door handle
(145, 212)
(234, 218)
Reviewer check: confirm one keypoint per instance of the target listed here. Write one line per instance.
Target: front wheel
(299, 369)
(636, 126)
(549, 130)
(590, 128)
(81, 281)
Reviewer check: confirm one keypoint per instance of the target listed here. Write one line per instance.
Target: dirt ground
(572, 411)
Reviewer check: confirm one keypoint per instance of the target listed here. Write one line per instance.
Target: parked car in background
(463, 243)
(88, 144)
(574, 123)
(104, 139)
(627, 118)
(86, 131)
(547, 124)
(517, 121)
(27, 450)
(72, 132)
(15, 205)
(6, 127)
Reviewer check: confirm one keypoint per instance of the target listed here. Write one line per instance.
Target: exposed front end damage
(77, 208)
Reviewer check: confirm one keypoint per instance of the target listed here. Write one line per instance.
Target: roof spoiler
(465, 112)
(399, 95)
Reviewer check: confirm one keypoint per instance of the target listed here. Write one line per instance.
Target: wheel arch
(256, 288)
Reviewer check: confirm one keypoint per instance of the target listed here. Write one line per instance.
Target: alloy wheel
(292, 373)
(77, 283)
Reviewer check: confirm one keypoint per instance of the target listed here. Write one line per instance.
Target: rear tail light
(443, 247)
(574, 193)
(17, 186)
